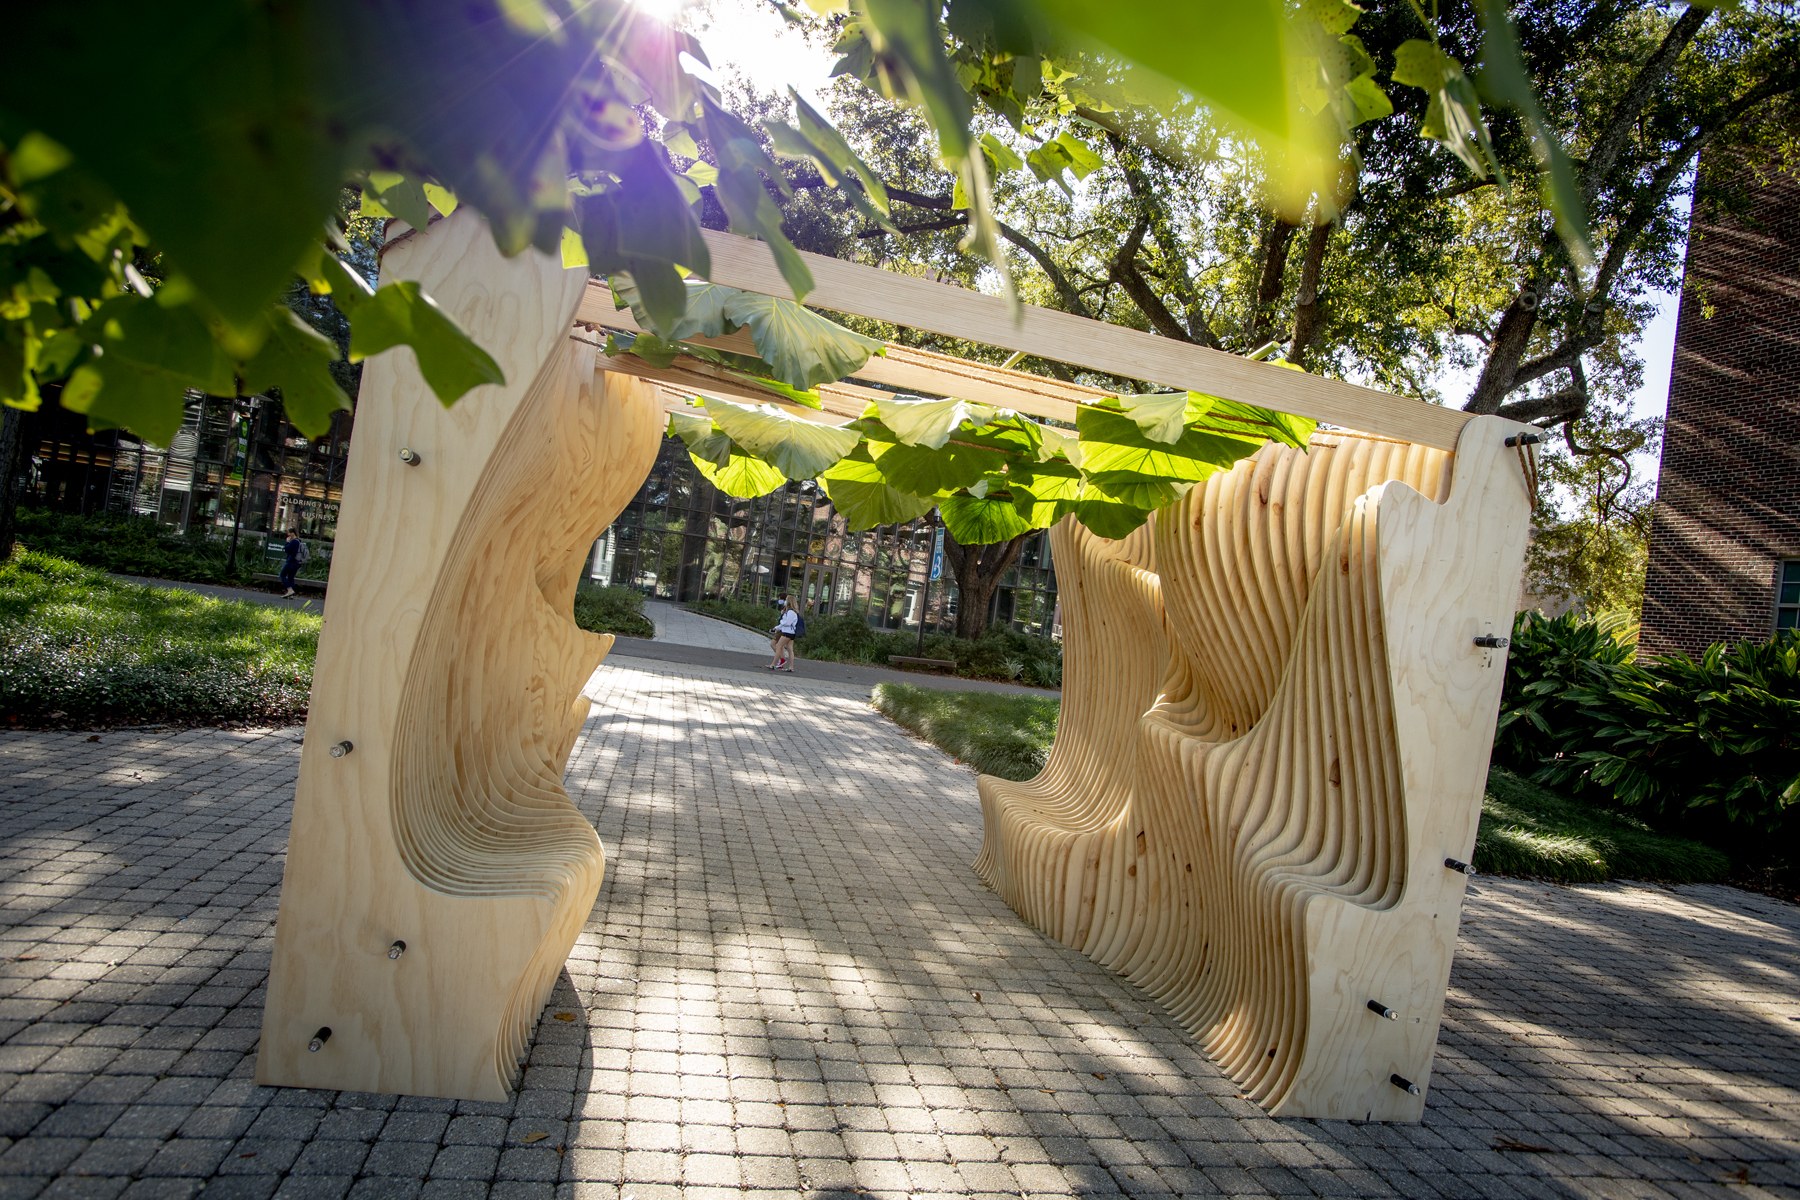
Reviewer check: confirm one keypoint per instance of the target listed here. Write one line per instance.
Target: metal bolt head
(410, 457)
(339, 749)
(1383, 1011)
(396, 950)
(319, 1039)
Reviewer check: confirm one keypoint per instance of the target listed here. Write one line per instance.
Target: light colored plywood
(450, 664)
(902, 368)
(1275, 727)
(1063, 337)
(1259, 838)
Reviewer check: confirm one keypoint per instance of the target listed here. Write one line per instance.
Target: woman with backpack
(791, 626)
(292, 556)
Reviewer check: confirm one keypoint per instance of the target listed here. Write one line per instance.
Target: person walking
(789, 627)
(293, 554)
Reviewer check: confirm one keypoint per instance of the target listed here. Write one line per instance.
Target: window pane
(1790, 571)
(1790, 593)
(1788, 618)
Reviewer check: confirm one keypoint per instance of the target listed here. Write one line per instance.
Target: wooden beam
(840, 406)
(955, 312)
(906, 368)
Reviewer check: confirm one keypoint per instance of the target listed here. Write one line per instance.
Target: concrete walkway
(312, 602)
(678, 626)
(793, 986)
(683, 638)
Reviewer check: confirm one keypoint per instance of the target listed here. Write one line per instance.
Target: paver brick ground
(793, 985)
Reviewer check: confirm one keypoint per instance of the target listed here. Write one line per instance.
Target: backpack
(304, 556)
(799, 627)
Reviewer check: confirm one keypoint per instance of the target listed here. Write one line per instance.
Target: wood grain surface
(1276, 727)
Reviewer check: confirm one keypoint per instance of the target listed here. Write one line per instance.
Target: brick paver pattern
(793, 985)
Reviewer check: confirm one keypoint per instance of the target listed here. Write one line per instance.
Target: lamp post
(933, 567)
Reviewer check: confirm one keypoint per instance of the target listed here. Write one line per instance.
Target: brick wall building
(1725, 540)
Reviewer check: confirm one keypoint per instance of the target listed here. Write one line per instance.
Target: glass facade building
(237, 469)
(682, 539)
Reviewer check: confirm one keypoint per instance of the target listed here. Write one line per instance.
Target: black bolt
(396, 950)
(1523, 439)
(1404, 1084)
(1382, 1010)
(410, 457)
(339, 749)
(1458, 865)
(1489, 641)
(319, 1039)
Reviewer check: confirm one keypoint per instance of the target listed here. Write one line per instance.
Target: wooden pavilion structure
(1279, 695)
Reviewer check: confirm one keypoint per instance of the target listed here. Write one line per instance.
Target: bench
(300, 585)
(936, 664)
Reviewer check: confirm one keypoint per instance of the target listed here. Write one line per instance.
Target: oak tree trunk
(978, 570)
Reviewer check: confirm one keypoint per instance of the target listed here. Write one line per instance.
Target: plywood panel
(437, 874)
(1261, 843)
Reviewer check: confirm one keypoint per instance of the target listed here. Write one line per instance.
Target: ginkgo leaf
(1054, 442)
(981, 520)
(798, 448)
(929, 423)
(742, 476)
(803, 348)
(705, 316)
(1161, 415)
(857, 490)
(704, 440)
(925, 472)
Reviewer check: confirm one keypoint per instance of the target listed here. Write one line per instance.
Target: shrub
(78, 648)
(1003, 654)
(141, 546)
(1003, 734)
(1706, 747)
(612, 610)
(741, 612)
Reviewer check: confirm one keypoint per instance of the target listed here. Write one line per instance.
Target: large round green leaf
(796, 447)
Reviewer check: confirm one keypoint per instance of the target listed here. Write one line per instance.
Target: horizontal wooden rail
(956, 312)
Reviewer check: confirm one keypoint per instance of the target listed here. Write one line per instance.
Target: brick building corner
(1727, 519)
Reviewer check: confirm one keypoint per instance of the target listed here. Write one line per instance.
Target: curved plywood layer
(437, 873)
(1258, 838)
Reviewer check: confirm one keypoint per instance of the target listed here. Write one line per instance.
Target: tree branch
(1557, 406)
(959, 221)
(1309, 311)
(1276, 241)
(1066, 292)
(1623, 121)
(1127, 275)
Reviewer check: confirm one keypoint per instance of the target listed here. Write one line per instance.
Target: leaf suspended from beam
(798, 448)
(865, 499)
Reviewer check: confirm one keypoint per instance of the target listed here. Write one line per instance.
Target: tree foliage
(1591, 543)
(578, 129)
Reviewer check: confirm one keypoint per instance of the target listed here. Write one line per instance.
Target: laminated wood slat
(1275, 724)
(451, 663)
(1258, 838)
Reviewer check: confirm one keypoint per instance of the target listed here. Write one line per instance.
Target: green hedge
(612, 610)
(1525, 829)
(141, 546)
(80, 649)
(1007, 734)
(1003, 654)
(1706, 747)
